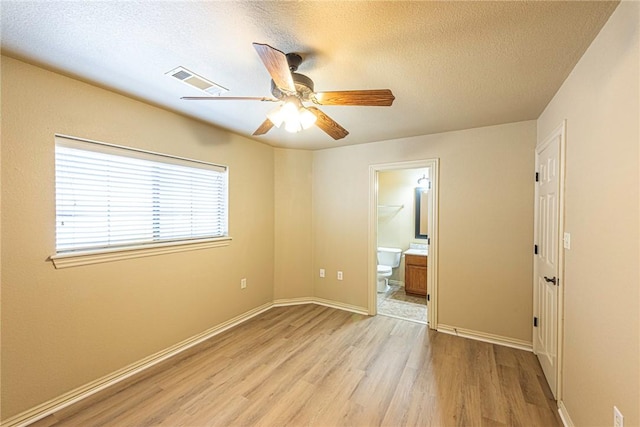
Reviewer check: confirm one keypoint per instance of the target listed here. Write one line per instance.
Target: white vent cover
(192, 79)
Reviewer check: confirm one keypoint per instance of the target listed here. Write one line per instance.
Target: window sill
(76, 259)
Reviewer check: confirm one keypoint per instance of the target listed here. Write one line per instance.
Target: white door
(546, 260)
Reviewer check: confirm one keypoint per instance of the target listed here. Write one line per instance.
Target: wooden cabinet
(415, 275)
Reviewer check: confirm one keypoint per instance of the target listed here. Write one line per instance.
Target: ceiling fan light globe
(276, 116)
(289, 112)
(292, 126)
(307, 118)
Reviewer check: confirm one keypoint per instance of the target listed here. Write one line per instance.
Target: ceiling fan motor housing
(303, 84)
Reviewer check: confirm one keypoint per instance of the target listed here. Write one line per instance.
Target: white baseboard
(320, 301)
(483, 336)
(397, 282)
(564, 415)
(47, 408)
(283, 302)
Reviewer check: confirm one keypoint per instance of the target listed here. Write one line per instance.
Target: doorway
(548, 283)
(423, 239)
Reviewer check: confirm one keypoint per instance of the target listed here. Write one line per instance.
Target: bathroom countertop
(420, 252)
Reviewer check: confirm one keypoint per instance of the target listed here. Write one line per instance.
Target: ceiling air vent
(192, 79)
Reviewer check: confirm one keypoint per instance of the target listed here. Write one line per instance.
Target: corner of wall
(293, 225)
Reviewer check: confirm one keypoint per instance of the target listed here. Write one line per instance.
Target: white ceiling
(450, 65)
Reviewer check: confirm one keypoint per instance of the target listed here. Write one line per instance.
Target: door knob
(552, 280)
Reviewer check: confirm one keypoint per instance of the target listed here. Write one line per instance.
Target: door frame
(558, 132)
(372, 241)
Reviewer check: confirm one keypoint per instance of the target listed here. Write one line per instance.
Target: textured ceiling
(450, 65)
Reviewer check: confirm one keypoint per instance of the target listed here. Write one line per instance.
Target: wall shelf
(390, 206)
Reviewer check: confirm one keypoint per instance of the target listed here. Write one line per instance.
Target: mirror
(422, 209)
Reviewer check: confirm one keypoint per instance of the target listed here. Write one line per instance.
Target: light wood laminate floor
(311, 365)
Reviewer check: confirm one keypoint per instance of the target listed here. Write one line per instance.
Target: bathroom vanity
(415, 272)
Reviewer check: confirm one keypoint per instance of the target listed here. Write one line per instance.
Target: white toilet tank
(389, 256)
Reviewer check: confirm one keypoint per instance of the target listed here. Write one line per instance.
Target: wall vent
(192, 79)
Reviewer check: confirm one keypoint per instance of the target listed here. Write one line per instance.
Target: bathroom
(402, 241)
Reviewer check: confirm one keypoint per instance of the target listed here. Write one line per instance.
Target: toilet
(388, 259)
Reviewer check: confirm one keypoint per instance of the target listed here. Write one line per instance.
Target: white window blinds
(109, 197)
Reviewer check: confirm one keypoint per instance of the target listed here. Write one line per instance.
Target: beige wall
(486, 223)
(600, 102)
(293, 256)
(64, 328)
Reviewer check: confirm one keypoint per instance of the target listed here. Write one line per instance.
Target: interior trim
(47, 408)
(320, 301)
(559, 132)
(483, 336)
(75, 259)
(564, 415)
(372, 236)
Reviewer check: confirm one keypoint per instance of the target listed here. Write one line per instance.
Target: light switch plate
(566, 242)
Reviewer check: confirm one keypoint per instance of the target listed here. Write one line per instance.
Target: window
(110, 197)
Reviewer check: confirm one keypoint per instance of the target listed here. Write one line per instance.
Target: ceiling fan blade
(264, 127)
(328, 125)
(378, 97)
(276, 63)
(229, 98)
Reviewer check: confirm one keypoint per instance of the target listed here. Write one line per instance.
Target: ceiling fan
(292, 89)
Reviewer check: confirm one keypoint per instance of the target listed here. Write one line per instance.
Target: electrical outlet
(243, 283)
(566, 241)
(322, 272)
(618, 419)
(339, 275)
